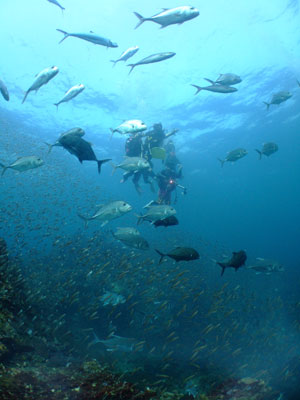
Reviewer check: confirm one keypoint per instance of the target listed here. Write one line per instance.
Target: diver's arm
(184, 189)
(171, 133)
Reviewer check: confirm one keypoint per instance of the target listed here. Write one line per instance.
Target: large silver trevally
(116, 343)
(267, 149)
(154, 58)
(63, 138)
(24, 164)
(108, 212)
(89, 37)
(71, 93)
(156, 213)
(129, 127)
(266, 266)
(81, 149)
(133, 164)
(125, 233)
(228, 79)
(170, 16)
(126, 54)
(234, 155)
(41, 79)
(279, 98)
(215, 87)
(131, 237)
(4, 91)
(112, 299)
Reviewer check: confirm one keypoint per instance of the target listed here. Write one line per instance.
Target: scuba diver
(166, 180)
(171, 161)
(133, 148)
(155, 138)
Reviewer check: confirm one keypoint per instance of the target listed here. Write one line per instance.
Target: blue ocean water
(250, 204)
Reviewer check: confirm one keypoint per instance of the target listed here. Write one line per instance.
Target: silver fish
(116, 343)
(112, 299)
(42, 78)
(266, 266)
(227, 79)
(267, 149)
(62, 140)
(279, 98)
(156, 213)
(71, 93)
(126, 54)
(125, 233)
(234, 155)
(57, 4)
(152, 59)
(170, 16)
(132, 164)
(89, 37)
(131, 237)
(109, 211)
(130, 126)
(4, 91)
(24, 164)
(215, 88)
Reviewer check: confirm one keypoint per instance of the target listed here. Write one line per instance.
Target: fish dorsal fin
(165, 9)
(210, 81)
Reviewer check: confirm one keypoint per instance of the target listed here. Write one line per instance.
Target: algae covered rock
(243, 389)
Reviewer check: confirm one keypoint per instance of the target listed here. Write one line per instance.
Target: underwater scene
(149, 200)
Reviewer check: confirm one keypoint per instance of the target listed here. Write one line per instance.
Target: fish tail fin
(221, 161)
(25, 96)
(100, 162)
(298, 82)
(114, 168)
(112, 132)
(132, 66)
(56, 104)
(198, 89)
(94, 341)
(260, 153)
(267, 104)
(49, 147)
(210, 81)
(140, 219)
(161, 255)
(141, 19)
(223, 266)
(114, 61)
(4, 168)
(66, 34)
(86, 219)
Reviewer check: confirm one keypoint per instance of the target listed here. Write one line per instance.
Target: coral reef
(90, 381)
(243, 389)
